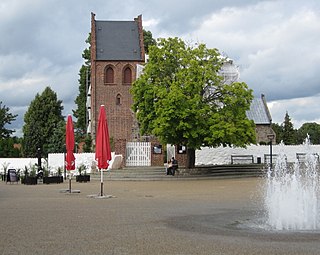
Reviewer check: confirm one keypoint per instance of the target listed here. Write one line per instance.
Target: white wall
(56, 160)
(222, 155)
(17, 163)
(205, 156)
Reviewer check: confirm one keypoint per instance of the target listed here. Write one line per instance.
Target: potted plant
(25, 173)
(5, 167)
(52, 179)
(59, 172)
(30, 178)
(82, 177)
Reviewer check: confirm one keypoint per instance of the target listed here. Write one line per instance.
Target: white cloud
(276, 48)
(300, 110)
(275, 43)
(150, 22)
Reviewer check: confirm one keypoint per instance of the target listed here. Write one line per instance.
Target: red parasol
(70, 159)
(103, 151)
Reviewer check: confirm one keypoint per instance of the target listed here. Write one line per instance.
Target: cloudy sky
(276, 45)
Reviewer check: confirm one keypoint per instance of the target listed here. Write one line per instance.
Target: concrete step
(159, 173)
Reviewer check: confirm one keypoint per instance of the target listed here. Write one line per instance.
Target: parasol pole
(101, 186)
(69, 181)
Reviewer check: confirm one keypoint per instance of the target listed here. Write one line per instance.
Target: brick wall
(157, 159)
(120, 116)
(120, 149)
(140, 27)
(182, 158)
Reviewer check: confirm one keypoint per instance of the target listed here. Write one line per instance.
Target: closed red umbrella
(70, 159)
(103, 151)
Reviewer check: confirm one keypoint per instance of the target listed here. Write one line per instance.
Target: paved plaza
(144, 217)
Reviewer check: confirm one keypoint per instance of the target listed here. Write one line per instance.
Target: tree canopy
(10, 147)
(289, 134)
(41, 120)
(181, 99)
(81, 111)
(148, 40)
(277, 128)
(311, 129)
(5, 119)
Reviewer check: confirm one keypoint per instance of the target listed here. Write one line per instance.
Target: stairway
(229, 171)
(137, 173)
(200, 172)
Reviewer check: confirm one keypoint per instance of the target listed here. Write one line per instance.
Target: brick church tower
(116, 50)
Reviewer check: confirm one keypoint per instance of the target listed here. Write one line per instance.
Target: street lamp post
(64, 162)
(39, 159)
(270, 137)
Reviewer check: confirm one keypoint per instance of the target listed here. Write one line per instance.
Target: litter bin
(258, 160)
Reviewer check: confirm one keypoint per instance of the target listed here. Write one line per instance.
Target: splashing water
(292, 194)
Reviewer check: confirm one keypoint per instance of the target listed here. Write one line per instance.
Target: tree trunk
(191, 158)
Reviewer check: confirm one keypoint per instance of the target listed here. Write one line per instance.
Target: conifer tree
(40, 122)
(81, 111)
(5, 118)
(289, 136)
(148, 40)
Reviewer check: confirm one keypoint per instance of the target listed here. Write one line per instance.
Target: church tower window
(127, 75)
(118, 99)
(109, 75)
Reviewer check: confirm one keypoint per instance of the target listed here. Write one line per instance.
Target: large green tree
(57, 140)
(5, 119)
(41, 120)
(311, 129)
(180, 98)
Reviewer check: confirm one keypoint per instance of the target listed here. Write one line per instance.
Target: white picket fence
(138, 154)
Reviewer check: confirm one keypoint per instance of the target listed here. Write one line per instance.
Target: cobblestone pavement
(143, 217)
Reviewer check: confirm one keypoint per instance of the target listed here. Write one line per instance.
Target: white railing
(138, 154)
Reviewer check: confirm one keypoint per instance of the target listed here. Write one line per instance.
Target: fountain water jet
(292, 194)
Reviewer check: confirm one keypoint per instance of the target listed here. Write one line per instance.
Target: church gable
(118, 40)
(259, 112)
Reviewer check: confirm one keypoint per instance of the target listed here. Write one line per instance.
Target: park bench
(241, 159)
(301, 157)
(267, 158)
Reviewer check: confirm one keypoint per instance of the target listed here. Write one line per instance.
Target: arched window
(109, 75)
(127, 75)
(118, 99)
